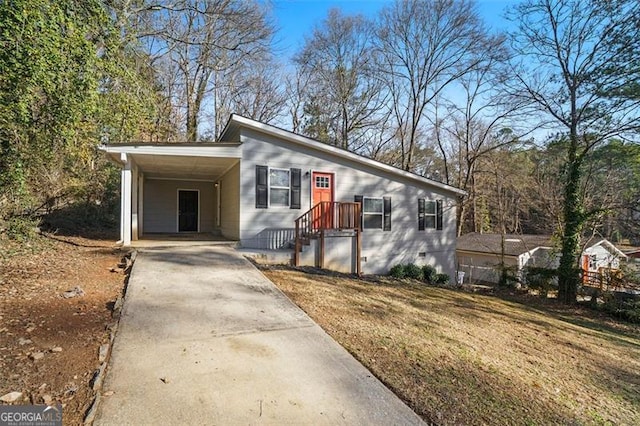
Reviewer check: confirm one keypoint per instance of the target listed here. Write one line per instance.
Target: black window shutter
(439, 215)
(262, 187)
(420, 214)
(387, 214)
(296, 183)
(358, 199)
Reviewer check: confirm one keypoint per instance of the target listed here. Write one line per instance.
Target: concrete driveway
(205, 338)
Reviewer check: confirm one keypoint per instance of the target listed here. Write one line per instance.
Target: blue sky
(296, 18)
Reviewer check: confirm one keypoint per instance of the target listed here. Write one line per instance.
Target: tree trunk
(461, 214)
(568, 273)
(192, 126)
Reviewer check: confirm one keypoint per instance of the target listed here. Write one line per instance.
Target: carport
(169, 189)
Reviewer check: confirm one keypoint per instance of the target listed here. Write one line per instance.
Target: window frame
(381, 214)
(325, 180)
(434, 214)
(438, 223)
(270, 187)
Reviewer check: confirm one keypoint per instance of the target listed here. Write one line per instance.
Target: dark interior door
(187, 211)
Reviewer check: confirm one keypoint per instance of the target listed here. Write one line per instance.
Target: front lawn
(463, 358)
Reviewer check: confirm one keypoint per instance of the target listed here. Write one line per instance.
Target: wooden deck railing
(324, 216)
(605, 279)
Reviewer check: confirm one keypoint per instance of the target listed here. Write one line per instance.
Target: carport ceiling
(183, 167)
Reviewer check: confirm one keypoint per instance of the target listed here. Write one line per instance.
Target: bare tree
(296, 84)
(253, 91)
(260, 96)
(425, 46)
(578, 67)
(473, 124)
(343, 97)
(203, 40)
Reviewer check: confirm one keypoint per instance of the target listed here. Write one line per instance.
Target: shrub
(20, 228)
(412, 270)
(623, 306)
(508, 277)
(428, 273)
(398, 271)
(441, 279)
(541, 279)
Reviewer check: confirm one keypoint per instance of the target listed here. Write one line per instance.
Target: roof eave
(470, 251)
(303, 140)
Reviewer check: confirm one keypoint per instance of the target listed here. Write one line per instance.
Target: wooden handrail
(327, 215)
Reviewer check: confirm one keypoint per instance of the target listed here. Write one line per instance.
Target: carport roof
(203, 161)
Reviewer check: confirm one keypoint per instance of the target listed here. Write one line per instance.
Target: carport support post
(134, 203)
(125, 201)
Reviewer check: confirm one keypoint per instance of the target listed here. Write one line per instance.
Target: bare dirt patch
(48, 343)
(461, 358)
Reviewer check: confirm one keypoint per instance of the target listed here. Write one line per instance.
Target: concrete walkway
(205, 338)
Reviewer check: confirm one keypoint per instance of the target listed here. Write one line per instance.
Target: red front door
(322, 191)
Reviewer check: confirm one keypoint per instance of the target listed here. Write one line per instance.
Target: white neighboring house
(353, 214)
(479, 256)
(600, 256)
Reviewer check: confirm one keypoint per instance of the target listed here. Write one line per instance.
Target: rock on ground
(11, 397)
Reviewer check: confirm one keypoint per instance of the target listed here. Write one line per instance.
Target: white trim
(178, 208)
(218, 149)
(135, 215)
(141, 178)
(319, 146)
(491, 253)
(311, 171)
(613, 249)
(218, 187)
(125, 200)
(181, 179)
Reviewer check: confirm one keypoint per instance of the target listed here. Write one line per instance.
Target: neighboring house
(479, 256)
(353, 212)
(600, 256)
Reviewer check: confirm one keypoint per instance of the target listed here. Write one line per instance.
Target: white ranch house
(271, 189)
(479, 255)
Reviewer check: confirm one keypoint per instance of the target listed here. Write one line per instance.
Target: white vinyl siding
(380, 249)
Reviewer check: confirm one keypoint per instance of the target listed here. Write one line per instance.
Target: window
(372, 213)
(322, 182)
(279, 187)
(376, 212)
(429, 214)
